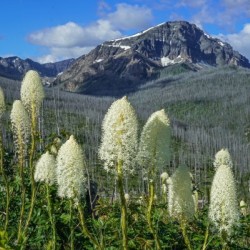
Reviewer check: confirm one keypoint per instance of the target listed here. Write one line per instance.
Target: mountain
(122, 65)
(15, 68)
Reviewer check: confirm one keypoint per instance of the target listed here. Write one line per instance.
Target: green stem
(123, 206)
(51, 216)
(71, 225)
(150, 204)
(6, 183)
(32, 180)
(19, 235)
(85, 229)
(205, 244)
(185, 236)
(21, 175)
(224, 240)
(7, 201)
(32, 203)
(149, 214)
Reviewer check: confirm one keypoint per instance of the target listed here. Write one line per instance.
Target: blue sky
(52, 30)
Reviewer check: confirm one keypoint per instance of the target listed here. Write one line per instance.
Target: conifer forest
(164, 167)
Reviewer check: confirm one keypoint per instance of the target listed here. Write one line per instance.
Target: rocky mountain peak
(125, 63)
(180, 41)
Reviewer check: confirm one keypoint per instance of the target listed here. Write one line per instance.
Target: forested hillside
(208, 112)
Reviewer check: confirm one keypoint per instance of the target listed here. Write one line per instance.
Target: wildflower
(180, 200)
(155, 197)
(154, 147)
(195, 196)
(169, 181)
(2, 102)
(20, 125)
(127, 197)
(223, 209)
(55, 146)
(119, 139)
(118, 149)
(243, 208)
(164, 177)
(70, 170)
(46, 169)
(53, 150)
(223, 158)
(32, 92)
(141, 200)
(57, 142)
(154, 153)
(164, 188)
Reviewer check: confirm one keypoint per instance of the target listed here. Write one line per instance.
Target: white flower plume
(70, 170)
(223, 209)
(119, 138)
(154, 147)
(180, 200)
(20, 123)
(223, 158)
(2, 102)
(45, 170)
(164, 177)
(32, 92)
(243, 208)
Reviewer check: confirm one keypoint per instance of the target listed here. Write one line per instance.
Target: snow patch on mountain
(137, 34)
(221, 44)
(165, 61)
(208, 36)
(125, 47)
(98, 60)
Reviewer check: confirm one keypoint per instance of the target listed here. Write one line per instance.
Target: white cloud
(73, 40)
(240, 41)
(232, 11)
(130, 17)
(45, 59)
(203, 16)
(238, 7)
(224, 13)
(71, 35)
(59, 54)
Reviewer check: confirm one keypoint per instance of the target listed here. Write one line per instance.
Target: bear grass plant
(21, 132)
(45, 172)
(49, 184)
(153, 154)
(118, 150)
(180, 201)
(224, 208)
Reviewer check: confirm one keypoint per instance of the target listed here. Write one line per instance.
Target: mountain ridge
(128, 62)
(15, 68)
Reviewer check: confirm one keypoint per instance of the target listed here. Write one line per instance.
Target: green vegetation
(207, 111)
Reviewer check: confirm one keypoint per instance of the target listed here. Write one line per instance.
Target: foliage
(197, 133)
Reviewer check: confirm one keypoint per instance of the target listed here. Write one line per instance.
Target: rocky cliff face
(15, 67)
(125, 63)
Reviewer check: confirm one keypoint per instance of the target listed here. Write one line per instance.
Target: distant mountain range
(15, 68)
(123, 64)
